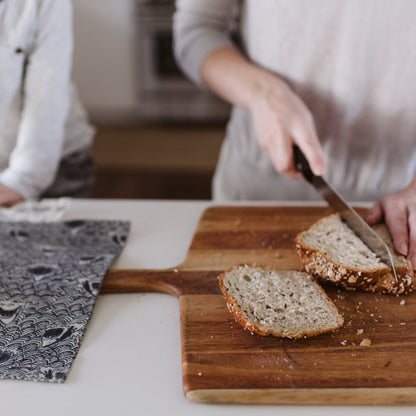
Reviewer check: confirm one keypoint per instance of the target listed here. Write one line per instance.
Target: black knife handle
(302, 164)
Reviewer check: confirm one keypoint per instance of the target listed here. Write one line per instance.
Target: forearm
(281, 119)
(234, 78)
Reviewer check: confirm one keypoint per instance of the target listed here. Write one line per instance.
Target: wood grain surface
(222, 363)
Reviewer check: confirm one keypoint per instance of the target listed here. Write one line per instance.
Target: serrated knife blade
(346, 212)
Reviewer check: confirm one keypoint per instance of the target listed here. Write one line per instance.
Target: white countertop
(129, 362)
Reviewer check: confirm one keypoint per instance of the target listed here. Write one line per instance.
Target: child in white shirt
(45, 136)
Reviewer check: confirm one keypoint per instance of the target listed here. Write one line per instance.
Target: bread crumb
(200, 374)
(344, 342)
(402, 323)
(402, 302)
(360, 331)
(237, 222)
(353, 355)
(365, 342)
(175, 270)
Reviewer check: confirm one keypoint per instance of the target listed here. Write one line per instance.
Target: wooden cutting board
(222, 363)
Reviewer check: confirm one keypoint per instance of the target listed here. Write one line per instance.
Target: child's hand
(8, 196)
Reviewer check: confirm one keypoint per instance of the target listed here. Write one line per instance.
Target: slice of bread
(280, 303)
(333, 252)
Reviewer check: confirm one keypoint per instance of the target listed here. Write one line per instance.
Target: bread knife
(346, 212)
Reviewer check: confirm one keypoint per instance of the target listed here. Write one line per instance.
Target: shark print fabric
(50, 276)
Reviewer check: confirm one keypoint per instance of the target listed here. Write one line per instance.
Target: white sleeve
(200, 27)
(46, 97)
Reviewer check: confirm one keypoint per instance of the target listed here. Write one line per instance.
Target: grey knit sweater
(353, 63)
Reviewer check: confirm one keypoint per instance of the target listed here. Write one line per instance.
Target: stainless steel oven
(165, 94)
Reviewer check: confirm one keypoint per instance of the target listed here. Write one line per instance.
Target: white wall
(104, 67)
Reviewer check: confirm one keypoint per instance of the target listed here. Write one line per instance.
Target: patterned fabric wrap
(50, 276)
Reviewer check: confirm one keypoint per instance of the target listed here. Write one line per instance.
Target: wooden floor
(156, 162)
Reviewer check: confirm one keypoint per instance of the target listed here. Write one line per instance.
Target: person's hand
(281, 120)
(8, 196)
(399, 212)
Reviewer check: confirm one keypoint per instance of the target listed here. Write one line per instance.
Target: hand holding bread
(399, 213)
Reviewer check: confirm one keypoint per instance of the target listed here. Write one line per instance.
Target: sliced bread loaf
(280, 303)
(332, 251)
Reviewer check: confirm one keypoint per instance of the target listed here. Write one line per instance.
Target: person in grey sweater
(335, 77)
(45, 136)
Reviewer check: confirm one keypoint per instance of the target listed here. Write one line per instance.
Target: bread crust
(240, 318)
(380, 280)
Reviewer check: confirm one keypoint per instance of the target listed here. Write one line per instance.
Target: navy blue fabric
(50, 276)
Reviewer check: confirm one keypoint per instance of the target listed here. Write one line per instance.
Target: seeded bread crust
(380, 280)
(233, 307)
(241, 319)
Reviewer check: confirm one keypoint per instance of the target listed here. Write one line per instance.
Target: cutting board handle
(173, 281)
